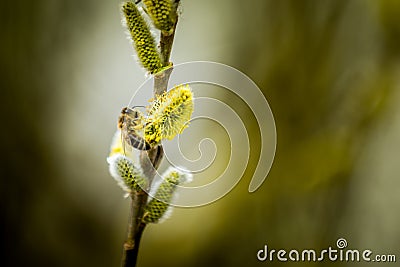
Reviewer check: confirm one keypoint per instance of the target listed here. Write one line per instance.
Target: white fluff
(113, 168)
(185, 175)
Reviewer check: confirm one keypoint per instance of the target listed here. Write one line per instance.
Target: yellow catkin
(161, 13)
(169, 114)
(142, 39)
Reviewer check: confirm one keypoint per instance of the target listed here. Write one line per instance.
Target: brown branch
(131, 246)
(149, 160)
(161, 81)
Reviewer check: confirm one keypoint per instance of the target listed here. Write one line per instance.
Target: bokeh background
(329, 69)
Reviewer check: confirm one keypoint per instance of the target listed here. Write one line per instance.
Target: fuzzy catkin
(142, 39)
(158, 206)
(124, 171)
(169, 114)
(161, 13)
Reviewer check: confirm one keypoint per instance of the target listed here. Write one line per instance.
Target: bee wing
(127, 149)
(138, 142)
(132, 126)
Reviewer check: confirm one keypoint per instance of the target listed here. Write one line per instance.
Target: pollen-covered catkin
(161, 13)
(157, 207)
(124, 171)
(169, 114)
(142, 39)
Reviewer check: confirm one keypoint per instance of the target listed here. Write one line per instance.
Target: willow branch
(131, 246)
(149, 160)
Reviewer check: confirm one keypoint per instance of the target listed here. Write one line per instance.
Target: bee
(131, 122)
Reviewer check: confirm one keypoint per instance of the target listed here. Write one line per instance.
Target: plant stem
(131, 246)
(149, 161)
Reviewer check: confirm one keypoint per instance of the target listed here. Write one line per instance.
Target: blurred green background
(329, 69)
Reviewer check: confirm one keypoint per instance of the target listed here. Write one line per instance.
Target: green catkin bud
(157, 208)
(169, 114)
(161, 13)
(128, 176)
(142, 39)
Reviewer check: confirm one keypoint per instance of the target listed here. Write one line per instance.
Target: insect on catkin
(169, 114)
(130, 122)
(143, 41)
